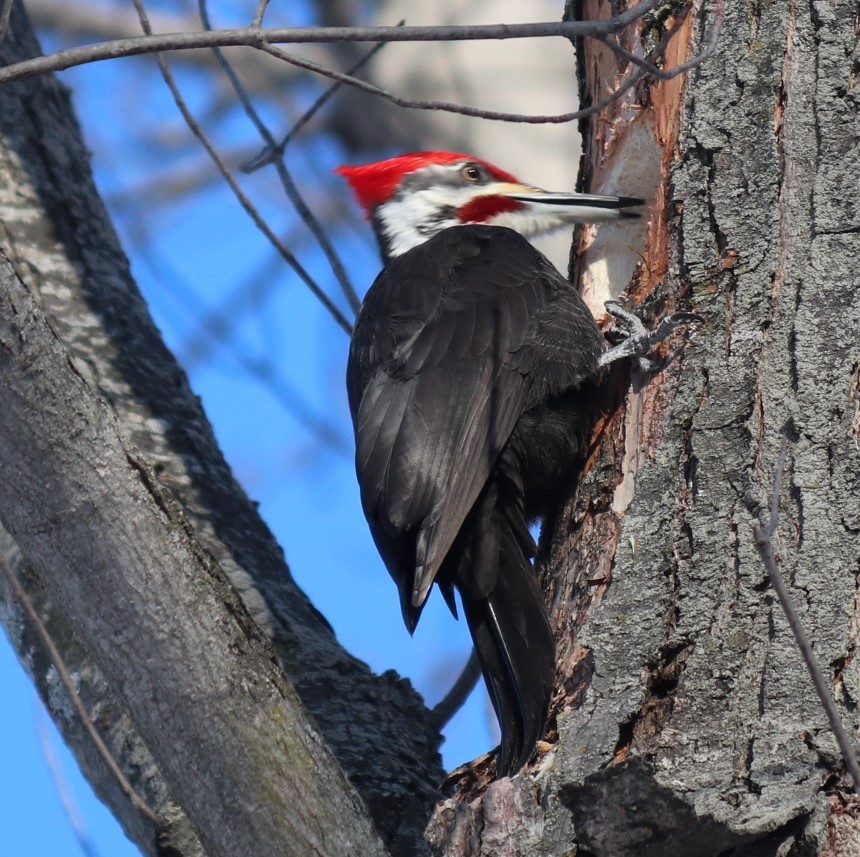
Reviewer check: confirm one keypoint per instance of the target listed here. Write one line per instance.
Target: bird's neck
(404, 223)
(401, 224)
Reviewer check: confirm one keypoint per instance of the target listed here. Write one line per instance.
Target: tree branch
(171, 635)
(240, 195)
(259, 12)
(764, 547)
(451, 107)
(260, 38)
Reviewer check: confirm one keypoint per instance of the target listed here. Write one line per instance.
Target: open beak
(572, 207)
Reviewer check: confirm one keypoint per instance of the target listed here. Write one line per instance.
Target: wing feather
(440, 370)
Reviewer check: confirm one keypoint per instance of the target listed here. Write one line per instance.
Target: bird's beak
(570, 207)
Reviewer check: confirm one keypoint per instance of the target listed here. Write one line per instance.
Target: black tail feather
(513, 640)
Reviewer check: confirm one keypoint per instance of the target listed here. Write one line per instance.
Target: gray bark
(170, 635)
(57, 234)
(687, 724)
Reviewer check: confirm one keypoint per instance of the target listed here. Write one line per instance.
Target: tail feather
(513, 639)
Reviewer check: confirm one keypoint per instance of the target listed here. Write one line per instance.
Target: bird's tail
(505, 612)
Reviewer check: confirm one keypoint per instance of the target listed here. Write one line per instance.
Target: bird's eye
(471, 173)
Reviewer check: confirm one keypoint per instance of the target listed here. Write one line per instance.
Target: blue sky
(192, 259)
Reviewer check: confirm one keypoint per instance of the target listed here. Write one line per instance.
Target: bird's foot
(638, 340)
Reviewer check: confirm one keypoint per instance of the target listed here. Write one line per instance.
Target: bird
(473, 383)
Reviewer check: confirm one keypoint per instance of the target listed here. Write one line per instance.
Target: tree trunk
(687, 724)
(108, 380)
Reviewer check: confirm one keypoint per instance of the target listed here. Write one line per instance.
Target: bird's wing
(438, 378)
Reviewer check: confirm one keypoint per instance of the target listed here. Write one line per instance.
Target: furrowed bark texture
(687, 724)
(172, 637)
(57, 234)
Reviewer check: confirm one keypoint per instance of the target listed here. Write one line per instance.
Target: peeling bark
(58, 236)
(687, 724)
(684, 723)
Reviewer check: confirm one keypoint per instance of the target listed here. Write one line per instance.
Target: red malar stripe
(483, 208)
(374, 184)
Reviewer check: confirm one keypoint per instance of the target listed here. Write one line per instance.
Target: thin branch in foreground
(269, 154)
(662, 74)
(244, 201)
(453, 701)
(68, 683)
(449, 106)
(5, 14)
(290, 188)
(765, 549)
(259, 12)
(256, 37)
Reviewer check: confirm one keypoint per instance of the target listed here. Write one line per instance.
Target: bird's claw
(638, 340)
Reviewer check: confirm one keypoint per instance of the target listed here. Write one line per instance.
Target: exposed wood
(687, 724)
(58, 234)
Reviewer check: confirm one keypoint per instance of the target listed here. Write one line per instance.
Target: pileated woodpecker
(471, 387)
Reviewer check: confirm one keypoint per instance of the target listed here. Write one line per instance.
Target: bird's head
(411, 198)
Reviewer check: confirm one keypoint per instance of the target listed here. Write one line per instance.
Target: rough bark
(686, 722)
(170, 635)
(60, 241)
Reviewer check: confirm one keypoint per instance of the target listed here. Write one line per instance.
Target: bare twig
(765, 549)
(269, 154)
(259, 12)
(75, 821)
(225, 171)
(5, 14)
(662, 74)
(256, 37)
(290, 188)
(23, 600)
(448, 106)
(453, 701)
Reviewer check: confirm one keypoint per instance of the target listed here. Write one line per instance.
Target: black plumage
(471, 387)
